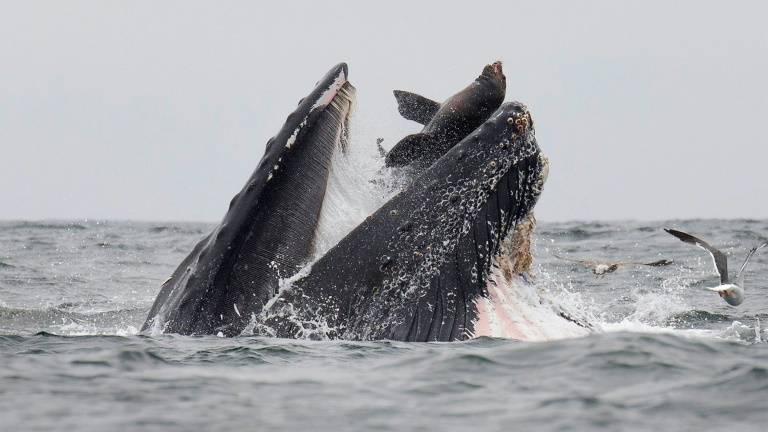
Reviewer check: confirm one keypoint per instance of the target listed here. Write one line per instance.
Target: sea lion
(448, 123)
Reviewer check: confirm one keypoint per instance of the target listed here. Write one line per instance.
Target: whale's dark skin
(269, 230)
(448, 123)
(413, 270)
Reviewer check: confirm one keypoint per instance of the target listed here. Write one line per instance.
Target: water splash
(660, 300)
(358, 185)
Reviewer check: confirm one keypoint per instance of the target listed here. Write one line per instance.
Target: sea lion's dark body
(448, 123)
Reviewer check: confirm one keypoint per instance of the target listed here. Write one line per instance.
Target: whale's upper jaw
(268, 231)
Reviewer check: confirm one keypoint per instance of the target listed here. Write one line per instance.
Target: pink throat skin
(517, 311)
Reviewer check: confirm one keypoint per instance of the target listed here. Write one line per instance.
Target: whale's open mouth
(434, 263)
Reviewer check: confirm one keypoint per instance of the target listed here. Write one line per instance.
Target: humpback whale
(436, 262)
(268, 231)
(732, 293)
(448, 123)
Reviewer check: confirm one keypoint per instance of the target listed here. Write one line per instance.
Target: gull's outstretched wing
(659, 263)
(740, 275)
(721, 261)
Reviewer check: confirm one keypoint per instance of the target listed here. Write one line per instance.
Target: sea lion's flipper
(417, 148)
(415, 107)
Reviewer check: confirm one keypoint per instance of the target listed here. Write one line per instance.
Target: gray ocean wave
(668, 354)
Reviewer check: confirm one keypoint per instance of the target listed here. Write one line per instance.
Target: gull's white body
(732, 293)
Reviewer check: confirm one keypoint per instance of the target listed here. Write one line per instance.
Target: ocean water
(666, 355)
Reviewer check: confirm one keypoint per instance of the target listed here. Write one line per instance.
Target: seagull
(602, 267)
(732, 293)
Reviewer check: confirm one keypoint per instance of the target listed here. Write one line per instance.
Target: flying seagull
(600, 268)
(732, 293)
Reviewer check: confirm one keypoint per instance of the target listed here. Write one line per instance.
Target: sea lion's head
(494, 73)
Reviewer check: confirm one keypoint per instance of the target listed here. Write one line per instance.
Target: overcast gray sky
(161, 110)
